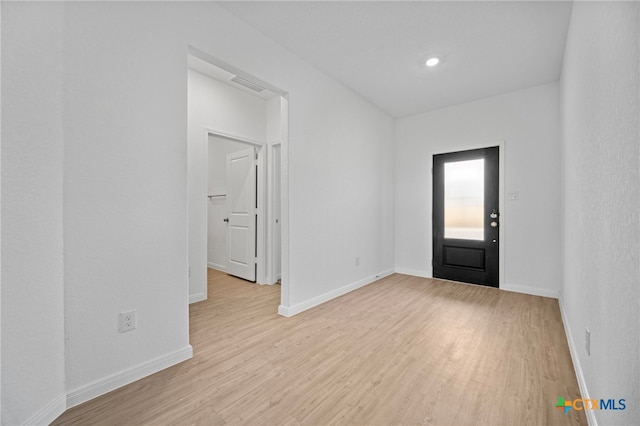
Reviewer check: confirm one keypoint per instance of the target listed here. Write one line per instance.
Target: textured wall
(32, 247)
(600, 111)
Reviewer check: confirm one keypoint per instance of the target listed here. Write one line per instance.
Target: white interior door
(241, 204)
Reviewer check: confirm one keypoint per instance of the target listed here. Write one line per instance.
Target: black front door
(466, 217)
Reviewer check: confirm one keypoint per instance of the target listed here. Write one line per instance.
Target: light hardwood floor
(400, 351)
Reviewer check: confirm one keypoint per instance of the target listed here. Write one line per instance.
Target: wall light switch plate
(513, 196)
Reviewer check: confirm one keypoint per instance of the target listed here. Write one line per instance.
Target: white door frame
(284, 202)
(272, 263)
(265, 236)
(261, 211)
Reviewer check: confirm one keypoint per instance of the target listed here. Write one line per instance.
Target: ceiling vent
(247, 84)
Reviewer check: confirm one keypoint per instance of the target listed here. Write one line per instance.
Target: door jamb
(284, 172)
(272, 276)
(501, 144)
(284, 205)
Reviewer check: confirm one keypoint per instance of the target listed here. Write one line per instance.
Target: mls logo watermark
(590, 404)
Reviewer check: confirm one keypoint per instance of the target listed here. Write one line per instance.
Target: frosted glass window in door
(464, 200)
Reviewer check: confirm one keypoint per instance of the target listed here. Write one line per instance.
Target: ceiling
(378, 48)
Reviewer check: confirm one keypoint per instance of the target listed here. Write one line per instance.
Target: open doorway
(230, 113)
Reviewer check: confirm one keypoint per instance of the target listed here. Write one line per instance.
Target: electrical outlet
(126, 321)
(587, 341)
(357, 261)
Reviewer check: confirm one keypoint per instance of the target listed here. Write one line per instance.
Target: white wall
(0, 223)
(274, 122)
(528, 123)
(120, 101)
(340, 193)
(217, 208)
(125, 212)
(33, 375)
(216, 106)
(601, 130)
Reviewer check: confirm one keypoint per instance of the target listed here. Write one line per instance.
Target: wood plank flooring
(400, 351)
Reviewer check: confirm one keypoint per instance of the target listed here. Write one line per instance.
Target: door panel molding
(463, 257)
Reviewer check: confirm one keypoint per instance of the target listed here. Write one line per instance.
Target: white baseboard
(216, 266)
(289, 311)
(198, 297)
(414, 272)
(48, 413)
(582, 384)
(534, 291)
(102, 386)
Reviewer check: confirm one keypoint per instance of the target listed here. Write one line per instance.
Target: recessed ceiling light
(432, 62)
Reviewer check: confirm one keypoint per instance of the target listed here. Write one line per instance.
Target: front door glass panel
(464, 200)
